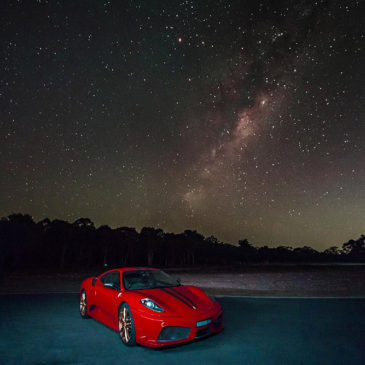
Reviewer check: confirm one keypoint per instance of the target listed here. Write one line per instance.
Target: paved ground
(47, 329)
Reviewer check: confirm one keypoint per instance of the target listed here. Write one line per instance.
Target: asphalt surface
(47, 329)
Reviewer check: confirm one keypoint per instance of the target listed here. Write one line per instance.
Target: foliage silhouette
(60, 245)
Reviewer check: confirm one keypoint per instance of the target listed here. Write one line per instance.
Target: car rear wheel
(83, 305)
(126, 325)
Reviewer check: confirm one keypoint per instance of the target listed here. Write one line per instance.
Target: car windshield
(147, 279)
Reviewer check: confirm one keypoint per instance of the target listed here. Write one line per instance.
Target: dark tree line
(57, 244)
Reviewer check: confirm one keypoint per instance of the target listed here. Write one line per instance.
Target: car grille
(203, 332)
(173, 333)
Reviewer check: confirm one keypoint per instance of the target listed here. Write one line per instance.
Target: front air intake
(203, 332)
(218, 322)
(173, 333)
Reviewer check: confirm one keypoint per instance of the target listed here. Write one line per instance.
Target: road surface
(47, 329)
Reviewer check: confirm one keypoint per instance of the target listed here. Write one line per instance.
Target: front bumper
(161, 331)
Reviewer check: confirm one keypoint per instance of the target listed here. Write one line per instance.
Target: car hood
(179, 300)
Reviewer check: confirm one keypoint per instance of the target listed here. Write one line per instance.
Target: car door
(108, 292)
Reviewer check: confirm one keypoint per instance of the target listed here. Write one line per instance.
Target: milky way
(240, 119)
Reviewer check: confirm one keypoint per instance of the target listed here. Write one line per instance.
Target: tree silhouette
(355, 249)
(60, 245)
(332, 251)
(151, 238)
(128, 238)
(247, 251)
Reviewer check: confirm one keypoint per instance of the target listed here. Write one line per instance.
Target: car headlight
(150, 304)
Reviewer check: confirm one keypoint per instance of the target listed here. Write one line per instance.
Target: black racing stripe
(184, 296)
(179, 298)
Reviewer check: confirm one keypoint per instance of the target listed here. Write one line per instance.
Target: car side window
(111, 279)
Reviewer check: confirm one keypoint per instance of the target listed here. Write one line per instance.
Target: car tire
(127, 331)
(83, 305)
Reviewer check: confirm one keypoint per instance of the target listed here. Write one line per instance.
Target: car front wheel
(126, 325)
(83, 305)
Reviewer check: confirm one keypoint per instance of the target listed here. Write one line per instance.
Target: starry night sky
(240, 119)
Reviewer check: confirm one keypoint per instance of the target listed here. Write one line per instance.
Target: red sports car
(149, 307)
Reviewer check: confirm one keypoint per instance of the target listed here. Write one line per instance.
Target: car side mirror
(94, 281)
(178, 281)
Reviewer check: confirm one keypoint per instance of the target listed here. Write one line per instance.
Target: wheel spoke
(126, 334)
